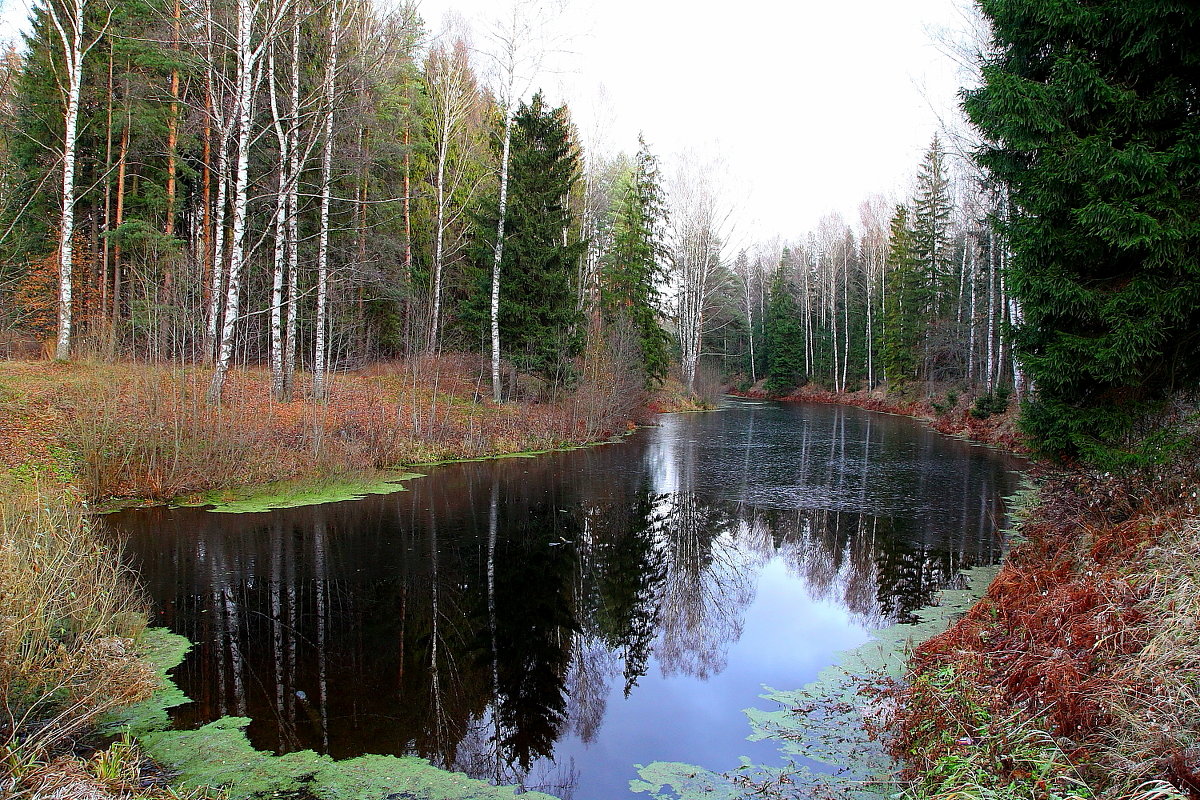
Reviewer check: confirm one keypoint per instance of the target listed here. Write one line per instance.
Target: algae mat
(294, 494)
(219, 755)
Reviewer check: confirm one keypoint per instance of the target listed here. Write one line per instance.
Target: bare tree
(698, 231)
(453, 95)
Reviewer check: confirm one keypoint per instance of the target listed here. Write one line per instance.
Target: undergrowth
(69, 613)
(1076, 676)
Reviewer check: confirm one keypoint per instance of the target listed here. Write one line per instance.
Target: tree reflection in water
(499, 609)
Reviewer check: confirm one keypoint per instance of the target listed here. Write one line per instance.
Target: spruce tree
(633, 266)
(1090, 112)
(931, 248)
(538, 314)
(784, 336)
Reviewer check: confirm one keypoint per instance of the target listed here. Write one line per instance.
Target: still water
(553, 621)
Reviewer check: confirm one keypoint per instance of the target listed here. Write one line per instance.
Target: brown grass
(139, 431)
(1089, 633)
(68, 615)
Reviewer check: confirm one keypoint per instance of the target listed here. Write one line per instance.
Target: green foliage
(784, 337)
(1090, 112)
(633, 265)
(930, 243)
(539, 330)
(993, 402)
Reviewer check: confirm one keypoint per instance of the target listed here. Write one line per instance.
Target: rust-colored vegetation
(140, 431)
(1077, 674)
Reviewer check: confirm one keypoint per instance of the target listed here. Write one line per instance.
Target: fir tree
(633, 266)
(1091, 114)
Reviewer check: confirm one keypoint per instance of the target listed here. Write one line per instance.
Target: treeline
(913, 298)
(313, 184)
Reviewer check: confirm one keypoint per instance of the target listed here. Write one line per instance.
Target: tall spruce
(538, 315)
(784, 335)
(1091, 117)
(633, 267)
(931, 244)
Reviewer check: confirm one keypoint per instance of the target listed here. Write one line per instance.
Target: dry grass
(1091, 632)
(68, 616)
(140, 431)
(1157, 712)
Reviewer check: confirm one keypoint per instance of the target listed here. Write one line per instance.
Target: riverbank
(987, 419)
(1075, 676)
(76, 436)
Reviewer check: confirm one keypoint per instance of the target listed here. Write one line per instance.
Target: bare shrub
(68, 614)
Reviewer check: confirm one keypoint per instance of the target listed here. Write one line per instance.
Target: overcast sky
(810, 104)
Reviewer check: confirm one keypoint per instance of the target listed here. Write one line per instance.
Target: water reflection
(493, 618)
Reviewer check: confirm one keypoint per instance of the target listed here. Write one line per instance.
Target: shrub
(68, 614)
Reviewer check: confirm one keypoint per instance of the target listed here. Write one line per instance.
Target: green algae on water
(293, 494)
(218, 755)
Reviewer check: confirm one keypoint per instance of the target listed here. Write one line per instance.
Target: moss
(218, 755)
(292, 494)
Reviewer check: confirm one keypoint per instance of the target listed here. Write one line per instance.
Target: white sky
(811, 105)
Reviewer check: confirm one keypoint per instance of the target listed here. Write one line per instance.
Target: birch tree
(338, 13)
(68, 19)
(249, 55)
(453, 96)
(518, 45)
(698, 231)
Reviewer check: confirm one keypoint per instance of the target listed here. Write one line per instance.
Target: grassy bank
(145, 432)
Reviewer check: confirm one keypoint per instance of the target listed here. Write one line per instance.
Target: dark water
(554, 621)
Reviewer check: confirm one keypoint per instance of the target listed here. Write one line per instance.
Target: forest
(289, 249)
(314, 188)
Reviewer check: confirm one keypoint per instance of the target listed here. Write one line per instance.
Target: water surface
(553, 621)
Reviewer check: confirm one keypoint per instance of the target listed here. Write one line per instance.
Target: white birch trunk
(330, 91)
(498, 254)
(245, 114)
(69, 26)
(283, 139)
(293, 237)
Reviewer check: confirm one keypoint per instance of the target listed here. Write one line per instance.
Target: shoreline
(88, 437)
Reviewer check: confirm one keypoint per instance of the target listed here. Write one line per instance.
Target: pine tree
(633, 265)
(1090, 111)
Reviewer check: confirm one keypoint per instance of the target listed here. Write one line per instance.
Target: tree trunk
(330, 92)
(498, 254)
(70, 31)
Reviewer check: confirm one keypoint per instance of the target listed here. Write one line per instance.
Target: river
(553, 621)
